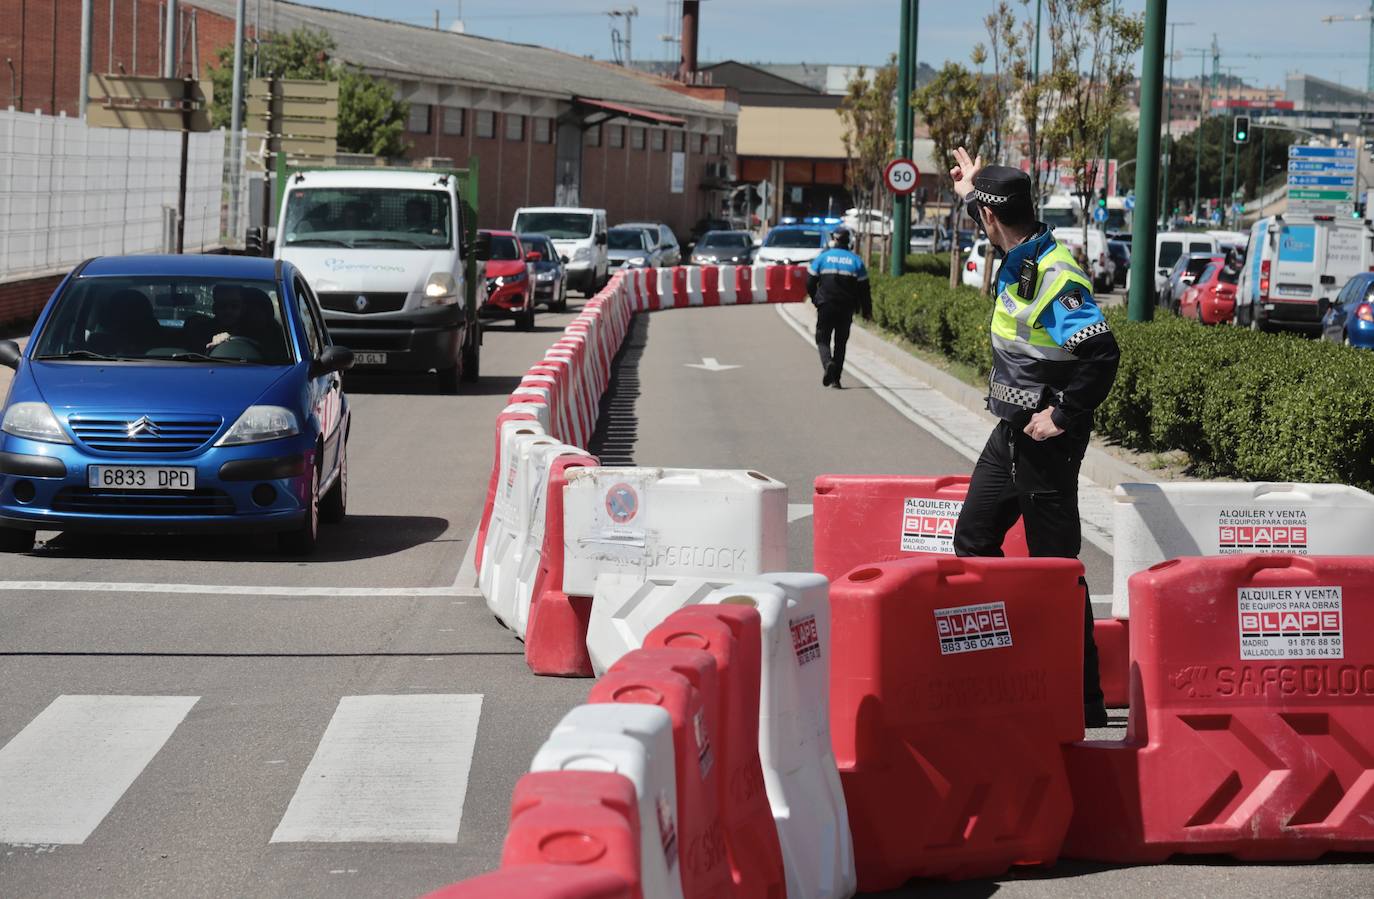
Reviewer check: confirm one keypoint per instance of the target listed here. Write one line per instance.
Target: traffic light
(1102, 198)
(1241, 134)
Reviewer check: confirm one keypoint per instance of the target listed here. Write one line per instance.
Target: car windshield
(558, 225)
(538, 245)
(503, 247)
(718, 240)
(809, 238)
(1196, 266)
(180, 319)
(923, 233)
(372, 217)
(1169, 251)
(1116, 219)
(627, 239)
(1059, 217)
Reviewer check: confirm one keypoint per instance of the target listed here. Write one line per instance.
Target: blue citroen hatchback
(169, 394)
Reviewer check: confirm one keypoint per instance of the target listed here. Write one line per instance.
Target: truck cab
(1294, 267)
(389, 253)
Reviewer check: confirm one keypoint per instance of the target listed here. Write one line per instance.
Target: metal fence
(69, 192)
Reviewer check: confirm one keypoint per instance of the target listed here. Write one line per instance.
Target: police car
(794, 243)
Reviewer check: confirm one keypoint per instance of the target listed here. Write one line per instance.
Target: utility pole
(83, 97)
(169, 41)
(1141, 304)
(906, 83)
(1036, 67)
(1204, 100)
(1169, 118)
(236, 114)
(628, 14)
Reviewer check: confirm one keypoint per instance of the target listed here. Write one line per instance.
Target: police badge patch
(1071, 300)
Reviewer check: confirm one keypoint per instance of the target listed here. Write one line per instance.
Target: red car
(510, 289)
(1211, 298)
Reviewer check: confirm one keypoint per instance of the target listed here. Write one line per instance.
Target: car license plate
(140, 477)
(369, 358)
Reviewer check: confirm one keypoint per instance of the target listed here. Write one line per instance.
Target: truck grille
(160, 434)
(148, 503)
(376, 302)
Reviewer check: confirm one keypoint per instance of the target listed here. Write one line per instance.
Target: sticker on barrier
(928, 525)
(973, 628)
(1290, 623)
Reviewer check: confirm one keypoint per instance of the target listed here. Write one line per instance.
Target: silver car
(630, 247)
(923, 238)
(663, 240)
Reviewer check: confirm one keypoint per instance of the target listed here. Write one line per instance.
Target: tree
(949, 103)
(1092, 45)
(994, 97)
(1036, 103)
(870, 123)
(1267, 145)
(371, 119)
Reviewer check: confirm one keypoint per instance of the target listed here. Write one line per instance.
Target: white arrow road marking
(709, 363)
(61, 775)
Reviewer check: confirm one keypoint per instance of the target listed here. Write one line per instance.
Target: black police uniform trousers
(1037, 481)
(834, 320)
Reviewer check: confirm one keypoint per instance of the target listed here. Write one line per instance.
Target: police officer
(837, 283)
(1053, 361)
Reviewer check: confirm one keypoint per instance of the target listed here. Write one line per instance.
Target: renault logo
(360, 303)
(142, 426)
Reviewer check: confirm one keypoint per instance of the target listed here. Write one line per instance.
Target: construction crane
(1361, 17)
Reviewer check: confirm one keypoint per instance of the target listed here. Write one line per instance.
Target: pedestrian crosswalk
(387, 769)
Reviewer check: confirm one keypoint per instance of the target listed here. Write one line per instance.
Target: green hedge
(1245, 405)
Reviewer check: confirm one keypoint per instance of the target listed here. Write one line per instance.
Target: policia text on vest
(1054, 361)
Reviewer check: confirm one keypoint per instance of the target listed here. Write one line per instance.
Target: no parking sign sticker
(622, 503)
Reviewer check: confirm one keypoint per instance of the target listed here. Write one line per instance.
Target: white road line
(389, 769)
(464, 585)
(61, 775)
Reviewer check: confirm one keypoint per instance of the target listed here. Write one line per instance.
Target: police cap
(999, 186)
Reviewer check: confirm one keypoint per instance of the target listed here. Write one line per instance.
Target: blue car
(172, 394)
(1350, 318)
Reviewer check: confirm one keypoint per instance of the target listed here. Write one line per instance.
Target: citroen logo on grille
(140, 427)
(360, 303)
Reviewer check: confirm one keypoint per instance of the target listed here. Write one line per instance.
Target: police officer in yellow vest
(1053, 361)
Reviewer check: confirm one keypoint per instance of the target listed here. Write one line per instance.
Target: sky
(1263, 39)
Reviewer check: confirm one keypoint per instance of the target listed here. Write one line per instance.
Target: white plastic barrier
(758, 282)
(636, 741)
(1155, 522)
(799, 769)
(671, 522)
(625, 608)
(506, 534)
(726, 274)
(528, 556)
(502, 505)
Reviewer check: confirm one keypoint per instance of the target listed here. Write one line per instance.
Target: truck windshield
(372, 217)
(558, 225)
(1059, 217)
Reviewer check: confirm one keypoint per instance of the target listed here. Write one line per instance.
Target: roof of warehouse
(410, 51)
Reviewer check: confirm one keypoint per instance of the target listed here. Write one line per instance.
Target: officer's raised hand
(964, 171)
(1042, 426)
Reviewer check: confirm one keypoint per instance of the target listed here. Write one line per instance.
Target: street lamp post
(1141, 305)
(1165, 208)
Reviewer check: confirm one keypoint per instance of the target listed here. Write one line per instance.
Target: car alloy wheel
(334, 506)
(302, 541)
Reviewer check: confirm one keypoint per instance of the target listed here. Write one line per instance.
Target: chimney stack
(691, 17)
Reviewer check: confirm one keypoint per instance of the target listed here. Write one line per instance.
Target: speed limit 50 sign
(901, 176)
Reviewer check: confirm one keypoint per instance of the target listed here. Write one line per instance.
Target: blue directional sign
(1099, 214)
(1296, 151)
(1129, 202)
(1322, 180)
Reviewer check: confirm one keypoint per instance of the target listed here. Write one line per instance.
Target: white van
(385, 251)
(1062, 211)
(1294, 266)
(1101, 267)
(1170, 245)
(578, 234)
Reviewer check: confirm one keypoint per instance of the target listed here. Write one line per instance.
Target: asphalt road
(200, 717)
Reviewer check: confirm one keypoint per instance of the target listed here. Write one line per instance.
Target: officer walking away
(837, 283)
(1053, 361)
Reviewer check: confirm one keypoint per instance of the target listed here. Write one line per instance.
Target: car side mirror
(563, 259)
(1324, 306)
(481, 247)
(334, 358)
(533, 256)
(601, 239)
(10, 354)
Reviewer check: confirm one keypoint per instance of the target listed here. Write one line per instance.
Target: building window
(615, 135)
(657, 140)
(543, 130)
(454, 120)
(713, 145)
(417, 120)
(592, 136)
(515, 127)
(486, 123)
(637, 138)
(679, 141)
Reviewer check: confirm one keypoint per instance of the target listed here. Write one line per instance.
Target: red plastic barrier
(794, 285)
(586, 819)
(775, 281)
(857, 519)
(953, 684)
(710, 285)
(681, 295)
(1112, 636)
(556, 633)
(651, 299)
(744, 285)
(539, 882)
(492, 479)
(1251, 730)
(683, 683)
(731, 634)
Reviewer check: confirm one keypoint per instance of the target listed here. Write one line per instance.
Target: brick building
(546, 127)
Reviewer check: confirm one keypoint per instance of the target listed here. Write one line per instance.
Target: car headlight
(708, 260)
(440, 290)
(582, 254)
(260, 423)
(636, 260)
(545, 276)
(33, 421)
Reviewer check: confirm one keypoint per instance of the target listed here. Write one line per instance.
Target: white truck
(391, 255)
(1295, 265)
(580, 236)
